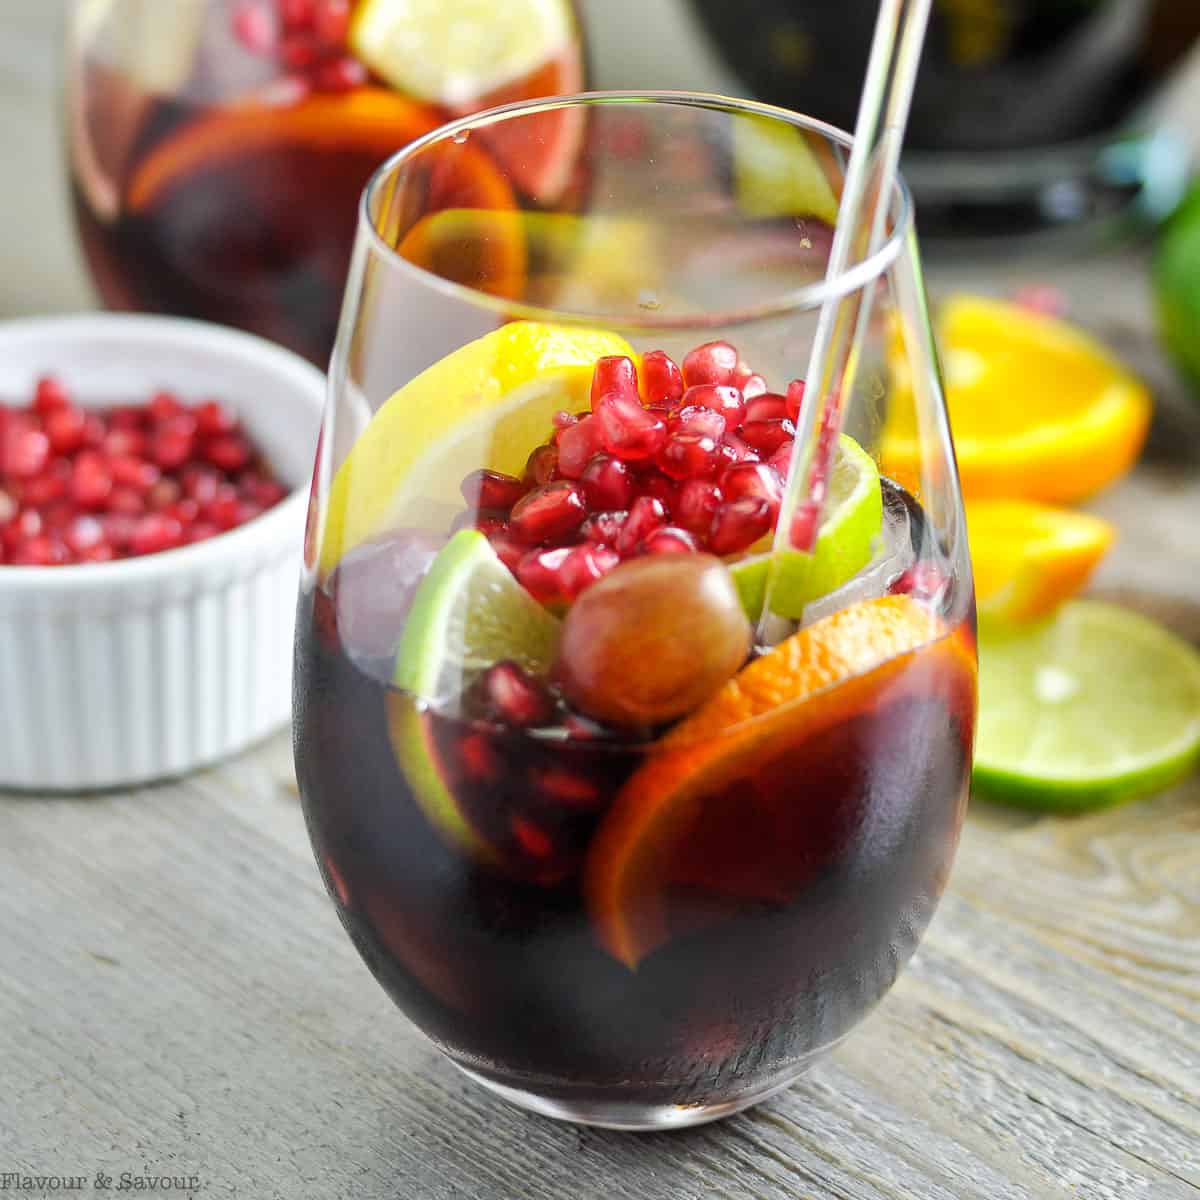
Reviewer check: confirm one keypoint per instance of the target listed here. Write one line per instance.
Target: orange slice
(476, 247)
(1029, 558)
(1039, 410)
(368, 119)
(733, 803)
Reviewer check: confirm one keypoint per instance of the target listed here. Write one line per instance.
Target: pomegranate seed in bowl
(93, 485)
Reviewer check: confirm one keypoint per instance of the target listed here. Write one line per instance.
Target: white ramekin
(120, 673)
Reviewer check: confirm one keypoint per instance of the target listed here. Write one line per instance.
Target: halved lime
(1096, 706)
(468, 613)
(851, 524)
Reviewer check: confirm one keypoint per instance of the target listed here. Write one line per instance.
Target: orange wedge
(1038, 409)
(369, 119)
(737, 803)
(1029, 558)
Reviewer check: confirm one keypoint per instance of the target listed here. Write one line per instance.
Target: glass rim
(811, 296)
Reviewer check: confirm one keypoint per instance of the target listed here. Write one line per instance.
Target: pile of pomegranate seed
(693, 461)
(92, 485)
(307, 38)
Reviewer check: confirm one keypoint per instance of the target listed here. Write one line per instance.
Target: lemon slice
(452, 51)
(524, 367)
(851, 524)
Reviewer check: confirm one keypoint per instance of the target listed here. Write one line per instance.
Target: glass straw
(841, 326)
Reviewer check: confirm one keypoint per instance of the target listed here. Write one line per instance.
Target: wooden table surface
(178, 999)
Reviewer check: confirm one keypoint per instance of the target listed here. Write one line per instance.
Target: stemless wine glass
(217, 148)
(623, 862)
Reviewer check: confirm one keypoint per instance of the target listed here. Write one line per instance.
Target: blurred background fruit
(1177, 287)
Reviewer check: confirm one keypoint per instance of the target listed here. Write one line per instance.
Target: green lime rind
(777, 173)
(1096, 707)
(846, 543)
(468, 613)
(1177, 287)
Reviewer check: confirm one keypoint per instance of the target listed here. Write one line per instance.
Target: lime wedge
(1096, 706)
(778, 172)
(468, 613)
(850, 529)
(451, 52)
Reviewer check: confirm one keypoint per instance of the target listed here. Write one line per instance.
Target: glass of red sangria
(217, 148)
(627, 851)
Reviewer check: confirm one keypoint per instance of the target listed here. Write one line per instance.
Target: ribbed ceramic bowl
(120, 673)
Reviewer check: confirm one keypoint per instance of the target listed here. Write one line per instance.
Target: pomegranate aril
(562, 419)
(50, 394)
(583, 565)
(26, 452)
(607, 484)
(670, 540)
(487, 521)
(185, 511)
(296, 14)
(49, 486)
(331, 21)
(253, 27)
(229, 452)
(118, 528)
(541, 466)
(165, 405)
(128, 416)
(755, 481)
(752, 385)
(576, 446)
(725, 400)
(924, 581)
(27, 524)
(267, 492)
(795, 398)
(508, 550)
(516, 697)
(200, 482)
(170, 449)
(201, 531)
(629, 431)
(100, 552)
(213, 419)
(698, 419)
(603, 528)
(8, 507)
(91, 480)
(298, 51)
(740, 450)
(492, 489)
(548, 512)
(531, 838)
(163, 494)
(646, 514)
(41, 551)
(224, 509)
(660, 487)
(341, 74)
(768, 407)
(562, 786)
(539, 573)
(126, 500)
(738, 524)
(156, 532)
(804, 525)
(133, 472)
(476, 755)
(688, 456)
(662, 380)
(781, 460)
(767, 436)
(698, 500)
(614, 374)
(83, 533)
(121, 442)
(714, 362)
(65, 427)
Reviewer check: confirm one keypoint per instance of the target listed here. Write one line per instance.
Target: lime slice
(1177, 286)
(777, 171)
(554, 362)
(451, 52)
(1094, 707)
(468, 613)
(851, 525)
